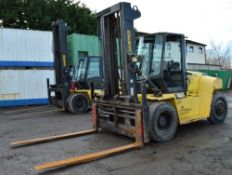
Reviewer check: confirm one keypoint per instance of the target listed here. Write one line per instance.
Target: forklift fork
(58, 137)
(87, 157)
(91, 156)
(98, 155)
(51, 138)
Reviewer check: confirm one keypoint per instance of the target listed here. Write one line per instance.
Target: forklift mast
(61, 66)
(117, 35)
(118, 110)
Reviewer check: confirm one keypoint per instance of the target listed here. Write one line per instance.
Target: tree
(219, 55)
(39, 14)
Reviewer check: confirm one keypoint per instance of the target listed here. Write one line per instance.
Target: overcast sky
(200, 20)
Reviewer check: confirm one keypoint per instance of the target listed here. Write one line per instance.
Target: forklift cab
(87, 70)
(164, 61)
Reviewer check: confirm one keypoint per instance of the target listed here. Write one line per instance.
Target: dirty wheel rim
(220, 107)
(80, 103)
(164, 120)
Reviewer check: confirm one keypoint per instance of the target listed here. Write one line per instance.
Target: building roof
(194, 42)
(145, 33)
(187, 40)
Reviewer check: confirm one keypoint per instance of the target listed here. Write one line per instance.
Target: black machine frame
(61, 66)
(117, 110)
(116, 24)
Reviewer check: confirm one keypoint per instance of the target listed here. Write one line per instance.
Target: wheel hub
(220, 107)
(79, 103)
(163, 122)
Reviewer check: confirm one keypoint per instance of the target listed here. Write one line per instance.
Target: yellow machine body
(196, 103)
(86, 92)
(192, 106)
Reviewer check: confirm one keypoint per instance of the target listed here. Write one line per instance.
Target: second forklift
(71, 91)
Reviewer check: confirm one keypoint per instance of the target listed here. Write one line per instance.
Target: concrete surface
(198, 148)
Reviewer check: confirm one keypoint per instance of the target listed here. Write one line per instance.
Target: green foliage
(39, 14)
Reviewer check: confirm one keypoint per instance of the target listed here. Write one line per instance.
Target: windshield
(94, 68)
(150, 48)
(79, 70)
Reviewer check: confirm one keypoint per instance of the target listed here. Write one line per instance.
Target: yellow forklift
(71, 90)
(147, 94)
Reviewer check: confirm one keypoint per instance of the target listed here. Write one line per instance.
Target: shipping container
(24, 87)
(25, 48)
(82, 45)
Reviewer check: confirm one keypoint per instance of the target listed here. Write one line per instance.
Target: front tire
(219, 109)
(163, 122)
(78, 103)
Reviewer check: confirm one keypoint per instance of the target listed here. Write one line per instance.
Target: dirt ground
(198, 148)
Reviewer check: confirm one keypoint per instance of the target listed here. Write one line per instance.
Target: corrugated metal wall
(24, 87)
(78, 43)
(23, 49)
(26, 61)
(20, 48)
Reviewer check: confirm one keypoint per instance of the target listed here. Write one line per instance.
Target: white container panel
(24, 87)
(25, 47)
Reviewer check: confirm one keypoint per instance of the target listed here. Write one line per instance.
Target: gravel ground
(198, 148)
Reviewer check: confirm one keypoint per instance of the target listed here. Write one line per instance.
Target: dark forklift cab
(86, 70)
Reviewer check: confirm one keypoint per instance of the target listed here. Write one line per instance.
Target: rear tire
(163, 122)
(78, 103)
(219, 109)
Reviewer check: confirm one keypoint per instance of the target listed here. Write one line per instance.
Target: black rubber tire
(78, 103)
(219, 109)
(162, 131)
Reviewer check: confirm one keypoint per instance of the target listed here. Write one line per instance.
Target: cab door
(174, 63)
(94, 72)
